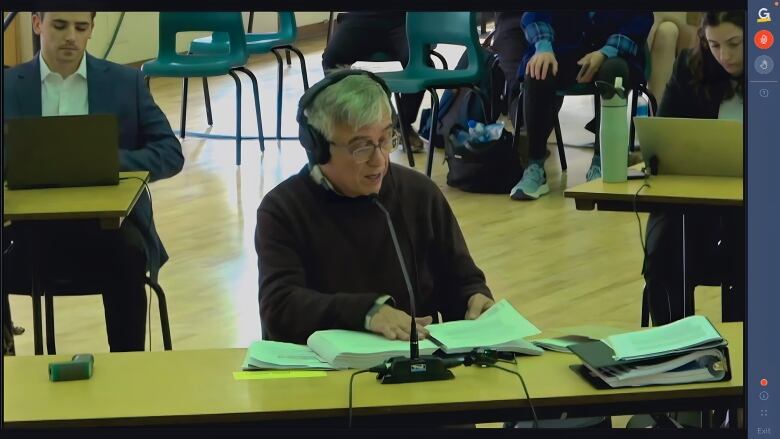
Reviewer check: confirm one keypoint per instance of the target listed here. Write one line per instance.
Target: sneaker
(594, 171)
(416, 141)
(533, 184)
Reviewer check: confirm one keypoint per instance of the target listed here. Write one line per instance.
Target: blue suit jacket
(146, 141)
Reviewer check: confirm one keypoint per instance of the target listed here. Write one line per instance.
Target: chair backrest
(226, 25)
(426, 29)
(288, 29)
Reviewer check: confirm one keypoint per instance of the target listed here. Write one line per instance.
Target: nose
(70, 34)
(377, 157)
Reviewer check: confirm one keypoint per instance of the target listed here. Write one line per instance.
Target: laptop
(683, 146)
(61, 151)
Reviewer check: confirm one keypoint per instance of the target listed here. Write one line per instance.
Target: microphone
(416, 368)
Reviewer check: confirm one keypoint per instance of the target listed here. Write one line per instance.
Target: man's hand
(540, 63)
(395, 324)
(478, 303)
(591, 63)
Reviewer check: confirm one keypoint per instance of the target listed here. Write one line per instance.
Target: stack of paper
(501, 328)
(686, 351)
(265, 354)
(360, 350)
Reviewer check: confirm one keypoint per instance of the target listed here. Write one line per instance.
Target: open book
(500, 328)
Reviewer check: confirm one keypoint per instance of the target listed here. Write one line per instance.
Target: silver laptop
(682, 146)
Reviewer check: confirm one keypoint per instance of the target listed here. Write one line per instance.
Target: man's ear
(37, 23)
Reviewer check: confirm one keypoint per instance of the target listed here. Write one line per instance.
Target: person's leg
(124, 295)
(663, 51)
(540, 106)
(355, 38)
(509, 43)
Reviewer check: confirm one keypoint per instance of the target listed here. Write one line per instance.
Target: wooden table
(683, 194)
(108, 204)
(197, 387)
(664, 192)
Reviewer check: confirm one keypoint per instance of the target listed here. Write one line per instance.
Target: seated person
(669, 35)
(360, 35)
(63, 79)
(325, 254)
(566, 48)
(708, 82)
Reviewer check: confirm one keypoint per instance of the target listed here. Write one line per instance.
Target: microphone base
(424, 368)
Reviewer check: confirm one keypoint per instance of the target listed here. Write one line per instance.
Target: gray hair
(355, 101)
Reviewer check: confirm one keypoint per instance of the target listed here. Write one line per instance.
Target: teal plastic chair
(257, 44)
(590, 89)
(424, 30)
(171, 64)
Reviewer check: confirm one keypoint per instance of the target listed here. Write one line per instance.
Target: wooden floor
(558, 266)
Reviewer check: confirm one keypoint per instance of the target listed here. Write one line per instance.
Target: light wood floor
(558, 266)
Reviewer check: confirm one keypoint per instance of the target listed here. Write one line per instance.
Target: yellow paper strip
(277, 374)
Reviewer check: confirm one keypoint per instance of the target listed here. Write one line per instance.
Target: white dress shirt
(64, 96)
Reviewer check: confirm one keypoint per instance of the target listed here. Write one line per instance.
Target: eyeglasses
(363, 150)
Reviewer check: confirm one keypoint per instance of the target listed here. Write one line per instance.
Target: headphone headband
(315, 143)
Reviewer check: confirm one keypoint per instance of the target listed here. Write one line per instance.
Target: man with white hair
(326, 256)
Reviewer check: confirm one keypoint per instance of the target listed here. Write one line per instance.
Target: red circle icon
(764, 382)
(764, 39)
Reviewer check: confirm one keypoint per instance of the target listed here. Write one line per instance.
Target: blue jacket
(573, 34)
(146, 141)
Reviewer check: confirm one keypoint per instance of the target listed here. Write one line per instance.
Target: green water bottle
(613, 131)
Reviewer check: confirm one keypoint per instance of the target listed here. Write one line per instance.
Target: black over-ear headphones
(316, 145)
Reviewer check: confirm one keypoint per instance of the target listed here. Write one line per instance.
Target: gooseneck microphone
(414, 342)
(416, 368)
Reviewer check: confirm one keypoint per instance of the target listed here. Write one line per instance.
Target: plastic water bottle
(613, 131)
(494, 130)
(476, 131)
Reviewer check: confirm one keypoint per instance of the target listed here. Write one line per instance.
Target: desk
(109, 204)
(197, 387)
(665, 191)
(680, 193)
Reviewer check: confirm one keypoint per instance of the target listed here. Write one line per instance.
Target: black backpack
(489, 167)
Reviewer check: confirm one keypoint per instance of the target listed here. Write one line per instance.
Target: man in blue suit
(63, 79)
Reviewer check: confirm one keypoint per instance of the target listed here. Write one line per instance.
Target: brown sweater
(324, 259)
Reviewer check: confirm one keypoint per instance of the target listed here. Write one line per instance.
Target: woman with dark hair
(708, 83)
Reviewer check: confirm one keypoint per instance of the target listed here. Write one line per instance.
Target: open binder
(696, 354)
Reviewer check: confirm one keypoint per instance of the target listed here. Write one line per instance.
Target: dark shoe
(416, 141)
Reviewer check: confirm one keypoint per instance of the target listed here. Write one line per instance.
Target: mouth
(374, 178)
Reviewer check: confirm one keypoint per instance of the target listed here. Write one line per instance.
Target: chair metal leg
(37, 317)
(251, 22)
(51, 348)
(431, 146)
(256, 95)
(287, 55)
(147, 79)
(441, 58)
(207, 98)
(644, 318)
(597, 113)
(238, 116)
(631, 133)
(559, 140)
(302, 60)
(330, 27)
(183, 106)
(404, 133)
(163, 305)
(279, 88)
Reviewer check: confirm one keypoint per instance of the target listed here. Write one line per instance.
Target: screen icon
(763, 396)
(764, 93)
(764, 382)
(764, 16)
(763, 39)
(764, 65)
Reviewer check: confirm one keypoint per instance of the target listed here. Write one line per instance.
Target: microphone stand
(416, 368)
